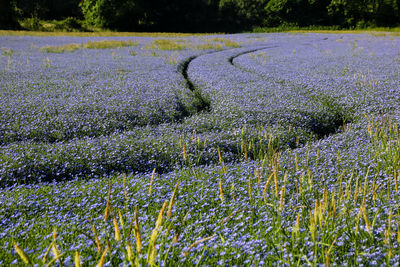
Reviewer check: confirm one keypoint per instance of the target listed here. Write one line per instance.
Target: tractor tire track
(201, 102)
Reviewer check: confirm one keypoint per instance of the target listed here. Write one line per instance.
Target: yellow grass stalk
(56, 253)
(310, 179)
(55, 259)
(117, 232)
(395, 180)
(152, 253)
(398, 231)
(250, 189)
(233, 191)
(221, 161)
(300, 182)
(54, 234)
(327, 255)
(21, 254)
(103, 257)
(316, 212)
(275, 167)
(137, 232)
(129, 251)
(184, 154)
(121, 219)
(312, 226)
(320, 215)
(194, 173)
(230, 216)
(325, 198)
(77, 259)
(388, 231)
(281, 198)
(44, 259)
(270, 142)
(55, 250)
(259, 174)
(266, 186)
(151, 181)
(297, 226)
(96, 237)
(108, 206)
(245, 153)
(172, 200)
(125, 193)
(176, 237)
(196, 243)
(364, 213)
(170, 227)
(221, 191)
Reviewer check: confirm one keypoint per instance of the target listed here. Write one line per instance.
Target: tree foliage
(7, 14)
(205, 15)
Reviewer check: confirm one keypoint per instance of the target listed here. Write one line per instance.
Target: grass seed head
(21, 254)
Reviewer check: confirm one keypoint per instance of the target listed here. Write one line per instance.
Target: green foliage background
(198, 15)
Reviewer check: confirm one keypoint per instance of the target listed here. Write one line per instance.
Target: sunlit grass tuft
(105, 44)
(208, 45)
(167, 44)
(226, 42)
(7, 52)
(179, 44)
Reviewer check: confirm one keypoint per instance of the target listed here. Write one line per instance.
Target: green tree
(241, 14)
(386, 12)
(297, 12)
(7, 15)
(113, 14)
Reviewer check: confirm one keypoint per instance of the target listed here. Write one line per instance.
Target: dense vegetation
(279, 149)
(197, 15)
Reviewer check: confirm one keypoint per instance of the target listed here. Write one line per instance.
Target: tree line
(203, 15)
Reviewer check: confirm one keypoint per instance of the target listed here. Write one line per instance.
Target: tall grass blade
(152, 252)
(117, 232)
(44, 259)
(151, 181)
(196, 243)
(103, 257)
(108, 206)
(137, 232)
(172, 201)
(21, 254)
(77, 259)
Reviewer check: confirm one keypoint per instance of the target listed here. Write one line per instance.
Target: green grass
(105, 44)
(208, 45)
(167, 44)
(179, 44)
(6, 52)
(225, 41)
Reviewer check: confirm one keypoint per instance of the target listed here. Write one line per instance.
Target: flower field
(249, 149)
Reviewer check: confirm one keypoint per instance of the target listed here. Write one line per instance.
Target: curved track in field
(223, 71)
(183, 69)
(249, 52)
